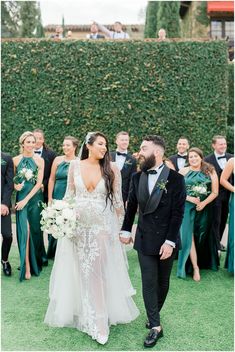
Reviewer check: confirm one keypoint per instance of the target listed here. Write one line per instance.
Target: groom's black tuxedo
(160, 218)
(128, 169)
(160, 214)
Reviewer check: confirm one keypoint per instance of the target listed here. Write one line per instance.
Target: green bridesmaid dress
(229, 260)
(198, 224)
(58, 193)
(29, 218)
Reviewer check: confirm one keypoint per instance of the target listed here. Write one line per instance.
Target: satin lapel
(125, 165)
(143, 192)
(156, 194)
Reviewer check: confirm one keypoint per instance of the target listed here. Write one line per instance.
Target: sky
(87, 11)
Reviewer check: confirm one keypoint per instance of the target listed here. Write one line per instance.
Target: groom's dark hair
(157, 140)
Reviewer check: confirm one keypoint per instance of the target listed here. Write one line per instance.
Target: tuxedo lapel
(157, 193)
(143, 192)
(216, 164)
(126, 164)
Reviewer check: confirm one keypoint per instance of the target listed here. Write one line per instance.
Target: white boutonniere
(128, 162)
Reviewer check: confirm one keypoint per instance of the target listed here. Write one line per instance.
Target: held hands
(165, 251)
(126, 240)
(4, 210)
(21, 204)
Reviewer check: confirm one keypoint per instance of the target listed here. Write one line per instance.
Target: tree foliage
(150, 29)
(10, 17)
(168, 18)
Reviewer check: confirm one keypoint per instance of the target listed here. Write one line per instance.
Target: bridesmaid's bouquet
(197, 190)
(60, 218)
(26, 174)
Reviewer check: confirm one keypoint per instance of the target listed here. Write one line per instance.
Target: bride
(90, 288)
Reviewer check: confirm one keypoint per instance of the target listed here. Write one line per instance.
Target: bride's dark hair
(106, 170)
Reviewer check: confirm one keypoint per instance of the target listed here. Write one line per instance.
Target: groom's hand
(165, 251)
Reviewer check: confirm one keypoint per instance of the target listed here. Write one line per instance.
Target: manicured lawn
(196, 316)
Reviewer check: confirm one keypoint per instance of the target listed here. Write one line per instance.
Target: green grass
(196, 316)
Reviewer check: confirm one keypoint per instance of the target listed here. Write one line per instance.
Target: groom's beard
(147, 163)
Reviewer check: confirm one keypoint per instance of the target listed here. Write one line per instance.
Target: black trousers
(220, 211)
(155, 275)
(6, 231)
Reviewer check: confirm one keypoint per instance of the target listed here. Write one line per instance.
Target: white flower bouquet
(197, 190)
(59, 218)
(26, 174)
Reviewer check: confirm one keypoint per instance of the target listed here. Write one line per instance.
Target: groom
(160, 194)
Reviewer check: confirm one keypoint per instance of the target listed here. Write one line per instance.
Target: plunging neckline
(94, 189)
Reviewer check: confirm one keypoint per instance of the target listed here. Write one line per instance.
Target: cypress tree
(168, 18)
(39, 29)
(29, 18)
(151, 20)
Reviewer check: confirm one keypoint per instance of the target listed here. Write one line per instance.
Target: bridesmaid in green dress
(197, 242)
(227, 173)
(58, 181)
(27, 182)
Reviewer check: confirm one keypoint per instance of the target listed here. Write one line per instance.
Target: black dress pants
(155, 275)
(6, 231)
(220, 211)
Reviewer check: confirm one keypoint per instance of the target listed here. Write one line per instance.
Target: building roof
(220, 7)
(86, 27)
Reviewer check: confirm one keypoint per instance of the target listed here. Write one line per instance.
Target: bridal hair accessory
(88, 136)
(87, 139)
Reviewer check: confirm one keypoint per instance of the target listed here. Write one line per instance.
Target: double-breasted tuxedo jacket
(128, 169)
(160, 214)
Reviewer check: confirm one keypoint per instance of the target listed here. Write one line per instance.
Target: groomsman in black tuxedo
(159, 193)
(7, 186)
(179, 159)
(48, 155)
(220, 205)
(125, 162)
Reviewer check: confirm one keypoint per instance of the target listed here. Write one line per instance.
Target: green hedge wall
(72, 87)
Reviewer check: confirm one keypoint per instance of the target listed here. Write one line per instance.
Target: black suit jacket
(48, 155)
(173, 159)
(223, 192)
(7, 174)
(127, 171)
(160, 214)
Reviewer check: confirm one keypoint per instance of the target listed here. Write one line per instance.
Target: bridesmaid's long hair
(106, 170)
(206, 168)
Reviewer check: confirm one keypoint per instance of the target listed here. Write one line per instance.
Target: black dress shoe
(6, 267)
(152, 337)
(45, 263)
(147, 325)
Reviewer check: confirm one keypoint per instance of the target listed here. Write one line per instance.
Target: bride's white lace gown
(90, 288)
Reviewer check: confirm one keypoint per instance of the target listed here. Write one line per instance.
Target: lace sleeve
(70, 190)
(117, 198)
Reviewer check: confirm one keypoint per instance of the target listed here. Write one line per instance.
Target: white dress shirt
(221, 162)
(181, 161)
(120, 159)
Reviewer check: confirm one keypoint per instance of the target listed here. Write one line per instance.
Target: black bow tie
(151, 172)
(122, 154)
(221, 157)
(37, 152)
(154, 172)
(182, 156)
